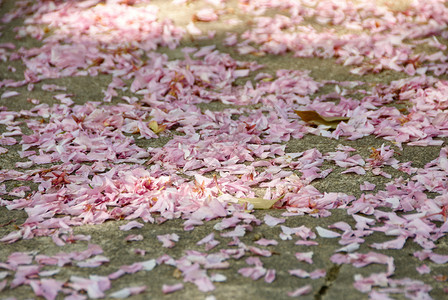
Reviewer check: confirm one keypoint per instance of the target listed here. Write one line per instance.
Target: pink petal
(299, 273)
(126, 292)
(94, 285)
(93, 262)
(301, 291)
(261, 252)
(367, 186)
(270, 276)
(168, 240)
(357, 169)
(265, 242)
(206, 15)
(253, 272)
(325, 233)
(423, 269)
(47, 288)
(9, 94)
(272, 221)
(318, 273)
(134, 237)
(130, 225)
(397, 243)
(206, 239)
(305, 257)
(19, 258)
(193, 29)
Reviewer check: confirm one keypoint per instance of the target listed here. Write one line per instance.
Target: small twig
(8, 223)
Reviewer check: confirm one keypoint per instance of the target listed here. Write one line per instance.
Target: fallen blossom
(305, 256)
(397, 243)
(47, 288)
(360, 260)
(193, 29)
(130, 225)
(53, 87)
(133, 238)
(272, 221)
(93, 262)
(325, 233)
(9, 94)
(367, 186)
(265, 242)
(423, 269)
(19, 258)
(299, 273)
(304, 290)
(149, 264)
(436, 258)
(206, 15)
(95, 286)
(3, 284)
(86, 159)
(168, 240)
(270, 276)
(260, 252)
(318, 273)
(126, 292)
(254, 273)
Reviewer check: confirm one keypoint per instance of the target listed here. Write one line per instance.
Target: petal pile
(204, 136)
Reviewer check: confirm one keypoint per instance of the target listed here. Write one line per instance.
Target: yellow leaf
(312, 117)
(155, 127)
(260, 203)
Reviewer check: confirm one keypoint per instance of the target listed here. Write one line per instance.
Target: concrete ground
(337, 281)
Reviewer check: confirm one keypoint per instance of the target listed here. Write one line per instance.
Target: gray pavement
(330, 273)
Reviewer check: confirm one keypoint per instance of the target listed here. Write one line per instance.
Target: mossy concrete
(338, 282)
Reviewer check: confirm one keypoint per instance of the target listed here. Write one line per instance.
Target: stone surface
(338, 282)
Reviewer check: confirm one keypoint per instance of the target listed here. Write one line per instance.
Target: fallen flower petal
(299, 273)
(130, 225)
(265, 242)
(166, 289)
(168, 240)
(206, 15)
(318, 273)
(94, 285)
(272, 221)
(9, 94)
(261, 252)
(134, 237)
(423, 269)
(367, 186)
(47, 288)
(254, 273)
(325, 233)
(437, 258)
(270, 276)
(93, 262)
(126, 292)
(397, 243)
(305, 256)
(304, 290)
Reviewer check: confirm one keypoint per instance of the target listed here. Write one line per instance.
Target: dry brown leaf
(156, 127)
(260, 203)
(312, 117)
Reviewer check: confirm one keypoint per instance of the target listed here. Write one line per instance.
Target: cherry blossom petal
(304, 290)
(325, 233)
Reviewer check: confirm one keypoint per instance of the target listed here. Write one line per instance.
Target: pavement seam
(332, 275)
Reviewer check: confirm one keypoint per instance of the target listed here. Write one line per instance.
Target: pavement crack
(331, 276)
